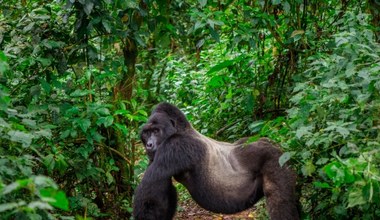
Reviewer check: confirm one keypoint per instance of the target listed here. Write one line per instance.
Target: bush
(334, 125)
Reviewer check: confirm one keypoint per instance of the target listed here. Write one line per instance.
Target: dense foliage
(79, 77)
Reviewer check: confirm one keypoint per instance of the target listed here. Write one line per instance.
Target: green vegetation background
(79, 77)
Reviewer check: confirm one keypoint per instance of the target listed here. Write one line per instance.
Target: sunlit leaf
(202, 3)
(9, 188)
(297, 32)
(304, 130)
(13, 205)
(308, 169)
(355, 198)
(21, 137)
(88, 6)
(285, 157)
(256, 126)
(39, 205)
(286, 6)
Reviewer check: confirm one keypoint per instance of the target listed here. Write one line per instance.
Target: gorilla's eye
(155, 131)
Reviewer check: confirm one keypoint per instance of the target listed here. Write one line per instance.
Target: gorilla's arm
(155, 197)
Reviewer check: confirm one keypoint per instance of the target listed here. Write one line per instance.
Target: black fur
(221, 177)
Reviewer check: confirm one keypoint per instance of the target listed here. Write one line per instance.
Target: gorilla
(221, 177)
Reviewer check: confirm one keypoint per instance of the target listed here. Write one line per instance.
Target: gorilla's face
(157, 130)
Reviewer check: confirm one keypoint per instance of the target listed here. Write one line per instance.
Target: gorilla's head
(164, 121)
(174, 114)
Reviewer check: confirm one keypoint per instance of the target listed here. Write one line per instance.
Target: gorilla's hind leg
(278, 182)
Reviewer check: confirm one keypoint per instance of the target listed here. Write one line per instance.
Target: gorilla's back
(224, 186)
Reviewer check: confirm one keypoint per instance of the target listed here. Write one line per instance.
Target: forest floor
(191, 211)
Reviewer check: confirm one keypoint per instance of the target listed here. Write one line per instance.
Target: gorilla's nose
(149, 145)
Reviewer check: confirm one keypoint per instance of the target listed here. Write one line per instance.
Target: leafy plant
(24, 192)
(334, 125)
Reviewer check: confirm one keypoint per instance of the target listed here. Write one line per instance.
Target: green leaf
(65, 134)
(43, 181)
(216, 82)
(198, 25)
(4, 124)
(58, 197)
(339, 173)
(84, 124)
(285, 157)
(73, 133)
(297, 32)
(256, 126)
(322, 161)
(286, 6)
(132, 4)
(39, 205)
(21, 137)
(331, 169)
(85, 151)
(49, 162)
(214, 34)
(46, 133)
(44, 61)
(25, 182)
(50, 44)
(106, 25)
(30, 123)
(224, 64)
(106, 121)
(321, 185)
(343, 131)
(3, 63)
(200, 43)
(121, 112)
(122, 128)
(142, 112)
(29, 27)
(304, 130)
(79, 93)
(45, 86)
(12, 205)
(355, 198)
(202, 3)
(110, 178)
(103, 111)
(96, 136)
(88, 6)
(61, 164)
(308, 169)
(9, 188)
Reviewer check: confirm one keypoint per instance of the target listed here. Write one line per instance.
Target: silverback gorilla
(221, 177)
